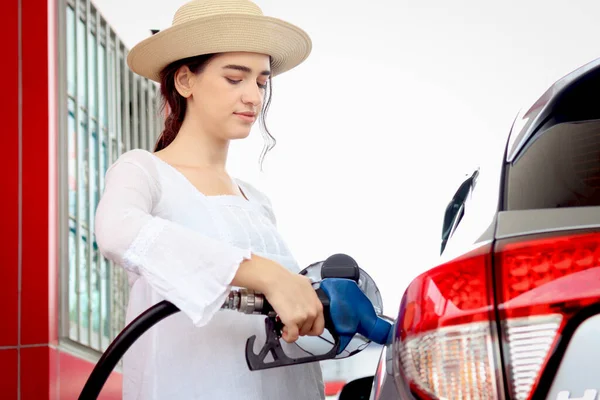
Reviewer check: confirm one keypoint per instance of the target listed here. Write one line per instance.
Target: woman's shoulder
(135, 164)
(141, 158)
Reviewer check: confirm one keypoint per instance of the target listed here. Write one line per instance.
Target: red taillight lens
(548, 275)
(447, 342)
(542, 283)
(451, 294)
(333, 387)
(445, 332)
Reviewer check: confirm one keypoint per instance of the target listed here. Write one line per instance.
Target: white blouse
(183, 246)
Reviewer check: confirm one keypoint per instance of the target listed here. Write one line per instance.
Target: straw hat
(216, 26)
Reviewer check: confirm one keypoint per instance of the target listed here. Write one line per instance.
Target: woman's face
(226, 98)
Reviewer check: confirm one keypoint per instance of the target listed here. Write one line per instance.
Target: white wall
(392, 109)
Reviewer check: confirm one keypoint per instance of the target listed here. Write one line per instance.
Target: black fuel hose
(121, 344)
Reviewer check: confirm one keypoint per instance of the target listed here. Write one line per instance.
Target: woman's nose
(252, 95)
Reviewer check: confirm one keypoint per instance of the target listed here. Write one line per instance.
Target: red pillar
(38, 338)
(9, 201)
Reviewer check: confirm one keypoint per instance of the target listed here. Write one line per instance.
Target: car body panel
(578, 374)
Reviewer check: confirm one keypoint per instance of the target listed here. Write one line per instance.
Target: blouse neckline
(230, 199)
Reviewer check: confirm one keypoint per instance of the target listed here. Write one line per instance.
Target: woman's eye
(236, 81)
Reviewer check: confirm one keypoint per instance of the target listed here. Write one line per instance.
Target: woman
(187, 232)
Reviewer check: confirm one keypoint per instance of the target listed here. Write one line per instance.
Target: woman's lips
(248, 117)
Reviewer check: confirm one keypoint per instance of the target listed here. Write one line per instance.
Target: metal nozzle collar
(250, 302)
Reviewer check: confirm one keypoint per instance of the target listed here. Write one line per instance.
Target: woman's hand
(297, 305)
(291, 296)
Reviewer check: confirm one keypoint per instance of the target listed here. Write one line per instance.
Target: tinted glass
(561, 168)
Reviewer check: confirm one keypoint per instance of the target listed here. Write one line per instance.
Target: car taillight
(447, 343)
(445, 334)
(542, 283)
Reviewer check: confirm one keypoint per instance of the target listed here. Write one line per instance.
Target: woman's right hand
(291, 296)
(297, 305)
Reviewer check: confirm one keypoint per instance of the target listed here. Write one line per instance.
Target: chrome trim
(126, 104)
(135, 131)
(63, 170)
(100, 133)
(90, 172)
(77, 169)
(143, 115)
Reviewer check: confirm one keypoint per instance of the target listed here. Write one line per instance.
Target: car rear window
(560, 168)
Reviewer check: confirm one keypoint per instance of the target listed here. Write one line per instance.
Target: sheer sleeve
(192, 271)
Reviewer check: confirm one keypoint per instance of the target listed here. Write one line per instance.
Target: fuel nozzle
(247, 301)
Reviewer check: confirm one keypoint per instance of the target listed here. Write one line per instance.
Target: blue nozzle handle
(352, 312)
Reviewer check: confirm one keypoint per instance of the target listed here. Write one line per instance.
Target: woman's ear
(184, 80)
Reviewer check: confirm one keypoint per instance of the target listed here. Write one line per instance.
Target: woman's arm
(189, 269)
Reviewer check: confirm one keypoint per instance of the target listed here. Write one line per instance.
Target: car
(512, 310)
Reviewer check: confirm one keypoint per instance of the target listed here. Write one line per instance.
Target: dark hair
(178, 104)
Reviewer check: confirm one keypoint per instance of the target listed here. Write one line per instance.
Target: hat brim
(287, 44)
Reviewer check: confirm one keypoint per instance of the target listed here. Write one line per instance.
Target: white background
(397, 103)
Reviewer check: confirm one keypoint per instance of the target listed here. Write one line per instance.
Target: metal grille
(105, 110)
